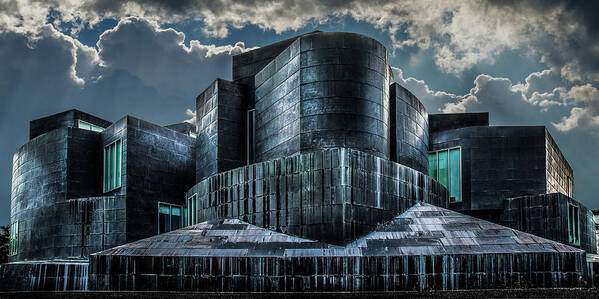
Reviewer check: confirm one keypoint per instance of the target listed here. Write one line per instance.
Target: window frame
(191, 209)
(13, 239)
(573, 228)
(448, 150)
(170, 209)
(570, 190)
(92, 127)
(106, 188)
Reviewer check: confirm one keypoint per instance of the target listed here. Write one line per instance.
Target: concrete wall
(221, 122)
(333, 195)
(497, 163)
(546, 215)
(409, 136)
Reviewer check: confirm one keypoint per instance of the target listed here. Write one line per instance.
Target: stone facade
(424, 248)
(546, 215)
(308, 173)
(334, 195)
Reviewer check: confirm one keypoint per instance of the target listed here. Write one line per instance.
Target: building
(312, 170)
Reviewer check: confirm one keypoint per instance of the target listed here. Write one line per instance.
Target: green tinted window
(112, 165)
(88, 126)
(455, 175)
(432, 165)
(13, 239)
(573, 225)
(169, 217)
(443, 173)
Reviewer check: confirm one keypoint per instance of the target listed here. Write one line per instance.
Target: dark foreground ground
(512, 293)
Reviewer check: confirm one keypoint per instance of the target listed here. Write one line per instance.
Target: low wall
(334, 195)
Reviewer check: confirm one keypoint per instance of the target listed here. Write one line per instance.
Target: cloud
(535, 101)
(137, 68)
(160, 57)
(586, 116)
(461, 33)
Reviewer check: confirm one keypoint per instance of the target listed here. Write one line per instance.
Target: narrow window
(251, 130)
(164, 218)
(446, 167)
(13, 239)
(175, 217)
(169, 217)
(432, 165)
(573, 225)
(184, 221)
(88, 126)
(191, 209)
(112, 166)
(570, 188)
(443, 169)
(455, 175)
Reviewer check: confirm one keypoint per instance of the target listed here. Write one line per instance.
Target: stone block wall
(546, 215)
(409, 129)
(497, 163)
(336, 273)
(160, 167)
(325, 90)
(64, 119)
(344, 93)
(333, 195)
(451, 121)
(247, 65)
(221, 122)
(558, 169)
(278, 106)
(43, 179)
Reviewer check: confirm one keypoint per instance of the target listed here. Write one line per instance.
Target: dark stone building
(64, 204)
(310, 171)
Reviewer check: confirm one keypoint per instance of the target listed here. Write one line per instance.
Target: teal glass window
(445, 166)
(443, 171)
(185, 217)
(13, 239)
(169, 217)
(88, 126)
(112, 165)
(573, 225)
(455, 175)
(191, 209)
(432, 165)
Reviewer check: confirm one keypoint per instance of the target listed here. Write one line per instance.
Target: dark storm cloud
(138, 69)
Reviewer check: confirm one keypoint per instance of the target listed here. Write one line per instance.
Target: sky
(525, 62)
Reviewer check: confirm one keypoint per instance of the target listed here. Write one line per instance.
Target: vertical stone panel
(409, 129)
(278, 106)
(546, 215)
(497, 163)
(221, 124)
(160, 167)
(557, 167)
(333, 195)
(344, 93)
